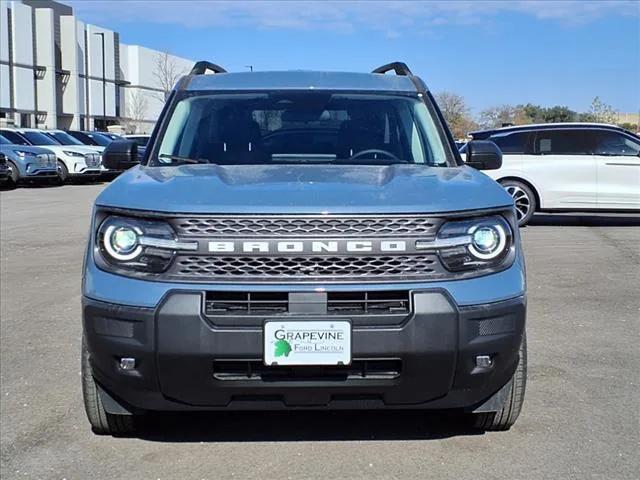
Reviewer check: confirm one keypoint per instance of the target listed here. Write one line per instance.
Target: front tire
(507, 416)
(524, 199)
(14, 173)
(63, 171)
(102, 422)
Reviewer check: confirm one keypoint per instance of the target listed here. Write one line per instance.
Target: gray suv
(303, 240)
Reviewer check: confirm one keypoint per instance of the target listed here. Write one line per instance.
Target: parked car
(27, 163)
(65, 138)
(100, 138)
(5, 173)
(567, 167)
(74, 161)
(317, 245)
(141, 139)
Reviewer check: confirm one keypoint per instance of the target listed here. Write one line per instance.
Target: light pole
(104, 84)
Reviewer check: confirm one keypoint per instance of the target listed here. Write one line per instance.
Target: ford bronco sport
(303, 240)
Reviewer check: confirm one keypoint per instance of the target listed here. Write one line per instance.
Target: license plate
(307, 343)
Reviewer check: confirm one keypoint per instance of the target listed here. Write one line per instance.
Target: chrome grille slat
(307, 226)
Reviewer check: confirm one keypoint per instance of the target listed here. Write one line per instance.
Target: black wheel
(523, 197)
(63, 172)
(102, 422)
(14, 173)
(507, 416)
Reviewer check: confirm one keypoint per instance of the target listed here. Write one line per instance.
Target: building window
(25, 120)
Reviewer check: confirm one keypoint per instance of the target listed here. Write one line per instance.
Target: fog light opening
(127, 363)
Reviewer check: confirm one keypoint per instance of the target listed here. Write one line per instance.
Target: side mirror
(120, 155)
(483, 155)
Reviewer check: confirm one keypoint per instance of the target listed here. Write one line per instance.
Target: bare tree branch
(166, 73)
(136, 110)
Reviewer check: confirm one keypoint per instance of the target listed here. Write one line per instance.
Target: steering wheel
(374, 151)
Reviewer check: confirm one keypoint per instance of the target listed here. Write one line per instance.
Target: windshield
(141, 141)
(4, 141)
(37, 138)
(99, 139)
(14, 138)
(300, 127)
(83, 137)
(64, 138)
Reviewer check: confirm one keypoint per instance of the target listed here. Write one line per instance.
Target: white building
(58, 72)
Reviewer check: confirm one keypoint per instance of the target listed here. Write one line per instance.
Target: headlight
(121, 242)
(22, 153)
(73, 154)
(478, 243)
(136, 244)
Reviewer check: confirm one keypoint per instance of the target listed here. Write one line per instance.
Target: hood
(25, 148)
(303, 189)
(70, 148)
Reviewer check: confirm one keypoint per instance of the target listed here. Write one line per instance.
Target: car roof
(300, 80)
(547, 126)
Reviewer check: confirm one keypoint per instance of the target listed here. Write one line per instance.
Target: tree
(136, 109)
(495, 117)
(600, 112)
(456, 113)
(166, 72)
(558, 114)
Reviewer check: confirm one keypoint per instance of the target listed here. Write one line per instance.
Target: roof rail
(201, 67)
(400, 68)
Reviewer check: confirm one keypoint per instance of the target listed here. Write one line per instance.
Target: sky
(548, 52)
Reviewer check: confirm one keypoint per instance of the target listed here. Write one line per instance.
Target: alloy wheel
(521, 199)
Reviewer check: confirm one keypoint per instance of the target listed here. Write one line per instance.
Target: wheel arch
(528, 184)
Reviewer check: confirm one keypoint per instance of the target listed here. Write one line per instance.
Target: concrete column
(45, 56)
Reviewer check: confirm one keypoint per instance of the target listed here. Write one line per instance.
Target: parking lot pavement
(580, 419)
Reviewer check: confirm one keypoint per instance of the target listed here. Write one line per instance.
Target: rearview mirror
(120, 155)
(483, 155)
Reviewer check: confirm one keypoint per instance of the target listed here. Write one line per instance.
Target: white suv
(77, 161)
(567, 167)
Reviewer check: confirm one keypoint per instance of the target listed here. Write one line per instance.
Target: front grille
(92, 160)
(221, 303)
(246, 303)
(369, 369)
(46, 160)
(308, 226)
(368, 303)
(400, 267)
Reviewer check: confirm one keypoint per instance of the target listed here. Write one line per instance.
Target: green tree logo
(282, 348)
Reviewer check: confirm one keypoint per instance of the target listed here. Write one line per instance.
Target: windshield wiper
(179, 158)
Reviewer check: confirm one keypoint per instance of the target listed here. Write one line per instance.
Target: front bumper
(178, 351)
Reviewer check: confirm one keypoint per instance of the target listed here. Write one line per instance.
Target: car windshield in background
(141, 141)
(84, 138)
(4, 141)
(14, 138)
(301, 128)
(99, 139)
(64, 138)
(37, 138)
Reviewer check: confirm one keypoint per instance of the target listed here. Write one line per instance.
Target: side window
(511, 143)
(612, 143)
(564, 142)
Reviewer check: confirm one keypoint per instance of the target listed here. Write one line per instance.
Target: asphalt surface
(581, 417)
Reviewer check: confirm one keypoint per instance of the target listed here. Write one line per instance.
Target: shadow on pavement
(586, 220)
(304, 426)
